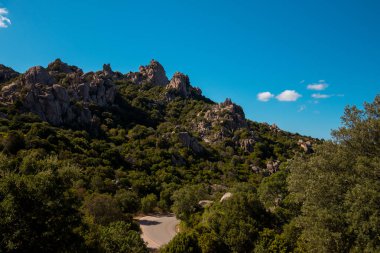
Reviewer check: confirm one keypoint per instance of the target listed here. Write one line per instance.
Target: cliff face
(153, 73)
(61, 94)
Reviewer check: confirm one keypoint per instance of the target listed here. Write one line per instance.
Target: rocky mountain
(82, 153)
(65, 96)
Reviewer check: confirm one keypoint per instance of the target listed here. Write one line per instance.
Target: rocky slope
(65, 96)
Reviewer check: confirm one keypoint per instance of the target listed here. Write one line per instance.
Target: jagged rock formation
(7, 74)
(37, 75)
(64, 95)
(220, 121)
(63, 102)
(153, 73)
(58, 66)
(180, 83)
(61, 94)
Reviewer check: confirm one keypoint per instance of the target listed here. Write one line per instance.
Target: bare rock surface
(37, 75)
(153, 73)
(306, 146)
(64, 102)
(180, 83)
(220, 121)
(189, 141)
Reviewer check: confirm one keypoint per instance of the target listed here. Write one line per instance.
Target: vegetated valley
(84, 153)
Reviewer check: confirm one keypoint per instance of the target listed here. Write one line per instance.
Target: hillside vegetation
(83, 153)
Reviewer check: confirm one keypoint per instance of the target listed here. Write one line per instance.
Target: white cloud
(288, 96)
(4, 21)
(318, 95)
(264, 96)
(321, 85)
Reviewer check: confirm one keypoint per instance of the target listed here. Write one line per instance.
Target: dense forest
(83, 153)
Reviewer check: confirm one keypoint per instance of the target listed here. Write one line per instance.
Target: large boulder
(226, 196)
(306, 146)
(154, 73)
(62, 94)
(36, 75)
(180, 83)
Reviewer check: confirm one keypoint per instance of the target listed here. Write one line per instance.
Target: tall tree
(339, 185)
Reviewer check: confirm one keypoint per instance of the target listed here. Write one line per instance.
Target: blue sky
(234, 49)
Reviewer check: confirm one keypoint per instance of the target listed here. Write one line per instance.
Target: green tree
(37, 214)
(182, 242)
(148, 203)
(102, 209)
(186, 199)
(13, 142)
(118, 237)
(128, 200)
(238, 220)
(338, 187)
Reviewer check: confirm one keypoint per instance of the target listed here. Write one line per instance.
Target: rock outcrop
(247, 144)
(180, 86)
(220, 121)
(153, 73)
(107, 70)
(180, 83)
(226, 196)
(273, 166)
(306, 146)
(66, 102)
(7, 74)
(190, 142)
(58, 66)
(36, 75)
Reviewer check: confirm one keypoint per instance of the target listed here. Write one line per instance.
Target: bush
(148, 203)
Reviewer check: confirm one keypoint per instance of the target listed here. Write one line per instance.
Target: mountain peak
(154, 73)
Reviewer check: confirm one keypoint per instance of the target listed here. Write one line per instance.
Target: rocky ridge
(220, 121)
(62, 94)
